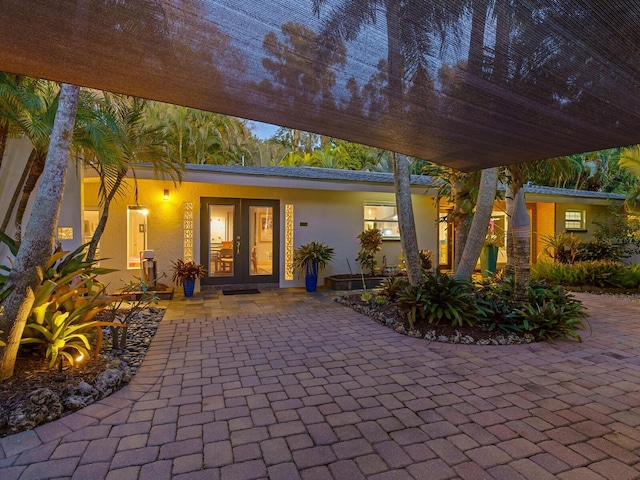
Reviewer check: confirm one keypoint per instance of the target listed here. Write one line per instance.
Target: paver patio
(287, 385)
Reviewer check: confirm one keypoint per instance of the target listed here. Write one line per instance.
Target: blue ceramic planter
(188, 285)
(311, 278)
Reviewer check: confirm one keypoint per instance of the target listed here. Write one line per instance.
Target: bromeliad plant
(550, 313)
(63, 316)
(440, 298)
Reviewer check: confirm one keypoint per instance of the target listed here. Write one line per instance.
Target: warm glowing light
(79, 358)
(166, 194)
(65, 233)
(288, 242)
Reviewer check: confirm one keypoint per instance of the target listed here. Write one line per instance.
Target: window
(575, 220)
(383, 217)
(136, 234)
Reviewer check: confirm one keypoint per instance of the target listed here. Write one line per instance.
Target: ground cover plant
(483, 311)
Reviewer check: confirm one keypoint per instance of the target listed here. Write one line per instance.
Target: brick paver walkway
(286, 385)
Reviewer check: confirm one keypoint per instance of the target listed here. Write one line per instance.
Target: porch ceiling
(469, 84)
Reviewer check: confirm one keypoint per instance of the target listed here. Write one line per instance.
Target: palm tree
(480, 223)
(410, 27)
(37, 245)
(136, 141)
(36, 123)
(196, 136)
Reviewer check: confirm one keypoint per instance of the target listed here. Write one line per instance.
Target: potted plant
(311, 259)
(185, 274)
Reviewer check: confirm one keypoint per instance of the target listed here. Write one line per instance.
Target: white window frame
(575, 220)
(140, 230)
(371, 220)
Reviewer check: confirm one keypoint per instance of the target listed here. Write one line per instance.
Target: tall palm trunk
(37, 245)
(35, 172)
(406, 221)
(509, 268)
(102, 223)
(522, 246)
(401, 175)
(480, 223)
(461, 222)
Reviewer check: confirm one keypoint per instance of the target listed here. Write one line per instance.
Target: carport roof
(466, 83)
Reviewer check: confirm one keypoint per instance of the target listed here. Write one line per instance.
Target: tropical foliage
(188, 270)
(313, 256)
(66, 303)
(549, 312)
(370, 244)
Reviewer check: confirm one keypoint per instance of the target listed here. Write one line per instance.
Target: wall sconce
(166, 194)
(65, 233)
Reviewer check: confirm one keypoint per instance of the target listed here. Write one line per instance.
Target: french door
(239, 240)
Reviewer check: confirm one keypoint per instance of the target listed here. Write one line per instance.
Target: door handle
(238, 246)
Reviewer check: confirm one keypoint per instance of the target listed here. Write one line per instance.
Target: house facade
(243, 223)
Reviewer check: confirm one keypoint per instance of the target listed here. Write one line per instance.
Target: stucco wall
(333, 217)
(593, 212)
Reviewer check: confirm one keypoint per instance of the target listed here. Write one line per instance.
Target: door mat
(247, 291)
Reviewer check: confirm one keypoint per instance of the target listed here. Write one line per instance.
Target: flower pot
(488, 260)
(188, 285)
(311, 278)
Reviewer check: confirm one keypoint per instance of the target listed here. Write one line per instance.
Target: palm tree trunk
(35, 172)
(509, 269)
(35, 250)
(480, 223)
(522, 246)
(16, 192)
(406, 221)
(97, 234)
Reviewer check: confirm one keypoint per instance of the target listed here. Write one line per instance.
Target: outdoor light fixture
(166, 194)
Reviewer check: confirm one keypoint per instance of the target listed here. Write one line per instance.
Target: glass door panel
(261, 240)
(221, 240)
(239, 240)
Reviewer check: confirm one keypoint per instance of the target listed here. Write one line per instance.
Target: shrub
(551, 313)
(496, 293)
(550, 321)
(442, 297)
(630, 276)
(600, 273)
(392, 287)
(598, 250)
(370, 244)
(597, 273)
(562, 247)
